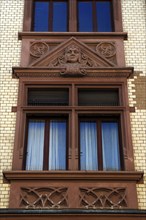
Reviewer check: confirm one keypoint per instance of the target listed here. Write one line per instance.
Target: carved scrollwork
(48, 197)
(37, 49)
(73, 61)
(106, 49)
(103, 198)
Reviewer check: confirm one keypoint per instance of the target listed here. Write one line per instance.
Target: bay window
(72, 126)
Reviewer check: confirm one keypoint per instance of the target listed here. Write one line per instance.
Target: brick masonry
(134, 16)
(134, 22)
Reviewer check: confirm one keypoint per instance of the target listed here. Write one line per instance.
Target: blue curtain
(88, 146)
(110, 146)
(57, 145)
(35, 145)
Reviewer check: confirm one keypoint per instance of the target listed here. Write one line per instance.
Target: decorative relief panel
(107, 50)
(39, 48)
(73, 60)
(48, 197)
(103, 198)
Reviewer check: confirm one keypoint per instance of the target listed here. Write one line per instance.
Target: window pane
(48, 96)
(59, 16)
(110, 146)
(104, 20)
(88, 146)
(85, 22)
(98, 97)
(41, 14)
(35, 145)
(57, 145)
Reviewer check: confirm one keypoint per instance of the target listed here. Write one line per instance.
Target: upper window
(72, 16)
(95, 15)
(49, 15)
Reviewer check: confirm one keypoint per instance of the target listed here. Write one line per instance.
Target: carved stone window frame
(73, 113)
(72, 23)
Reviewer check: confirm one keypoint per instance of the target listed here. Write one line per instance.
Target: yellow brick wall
(10, 23)
(134, 22)
(11, 12)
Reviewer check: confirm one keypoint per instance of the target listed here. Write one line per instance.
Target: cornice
(19, 72)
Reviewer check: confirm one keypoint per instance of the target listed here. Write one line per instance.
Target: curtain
(88, 146)
(57, 145)
(110, 146)
(35, 145)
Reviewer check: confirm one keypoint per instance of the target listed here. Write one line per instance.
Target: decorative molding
(106, 49)
(72, 55)
(19, 72)
(91, 35)
(92, 197)
(74, 62)
(38, 48)
(122, 176)
(46, 197)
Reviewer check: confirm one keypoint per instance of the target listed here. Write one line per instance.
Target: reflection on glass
(41, 14)
(60, 16)
(85, 22)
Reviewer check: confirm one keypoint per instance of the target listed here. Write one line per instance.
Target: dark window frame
(94, 15)
(72, 16)
(47, 120)
(50, 17)
(99, 119)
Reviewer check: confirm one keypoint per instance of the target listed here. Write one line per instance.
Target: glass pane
(110, 146)
(41, 15)
(57, 145)
(104, 19)
(98, 97)
(88, 146)
(59, 16)
(35, 145)
(85, 22)
(48, 96)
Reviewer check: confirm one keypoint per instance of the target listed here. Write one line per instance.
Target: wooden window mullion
(99, 145)
(51, 16)
(46, 144)
(94, 15)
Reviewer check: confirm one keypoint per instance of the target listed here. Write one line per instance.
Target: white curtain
(35, 145)
(110, 146)
(88, 146)
(57, 145)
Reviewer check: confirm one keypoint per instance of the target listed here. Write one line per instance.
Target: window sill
(122, 176)
(92, 35)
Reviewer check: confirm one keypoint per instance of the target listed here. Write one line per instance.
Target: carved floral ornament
(73, 61)
(37, 49)
(106, 49)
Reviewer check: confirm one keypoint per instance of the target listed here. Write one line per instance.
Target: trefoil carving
(103, 198)
(47, 197)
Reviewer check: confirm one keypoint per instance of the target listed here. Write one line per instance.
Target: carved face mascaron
(72, 54)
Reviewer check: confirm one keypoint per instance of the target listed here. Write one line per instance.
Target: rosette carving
(37, 49)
